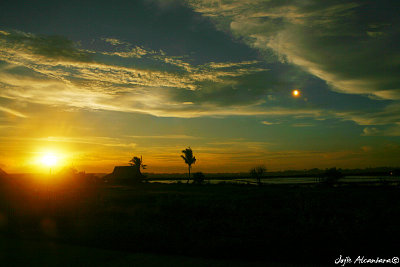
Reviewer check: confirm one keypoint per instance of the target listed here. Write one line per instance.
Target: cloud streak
(337, 42)
(12, 112)
(50, 70)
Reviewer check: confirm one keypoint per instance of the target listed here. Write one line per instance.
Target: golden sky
(99, 84)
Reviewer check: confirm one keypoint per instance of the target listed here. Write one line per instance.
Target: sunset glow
(237, 83)
(49, 160)
(199, 132)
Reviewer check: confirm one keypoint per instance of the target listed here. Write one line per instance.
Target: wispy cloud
(90, 140)
(333, 41)
(12, 112)
(302, 125)
(269, 123)
(389, 115)
(124, 49)
(387, 131)
(136, 52)
(220, 65)
(114, 41)
(56, 72)
(174, 136)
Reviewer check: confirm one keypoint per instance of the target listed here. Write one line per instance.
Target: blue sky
(98, 82)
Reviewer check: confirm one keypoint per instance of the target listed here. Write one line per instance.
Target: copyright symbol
(395, 260)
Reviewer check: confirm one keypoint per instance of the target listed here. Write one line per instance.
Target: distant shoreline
(377, 171)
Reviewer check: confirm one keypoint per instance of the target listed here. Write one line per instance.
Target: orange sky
(100, 84)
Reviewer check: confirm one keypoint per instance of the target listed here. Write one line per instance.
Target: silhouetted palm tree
(188, 158)
(258, 173)
(138, 163)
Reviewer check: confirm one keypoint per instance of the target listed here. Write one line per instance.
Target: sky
(98, 82)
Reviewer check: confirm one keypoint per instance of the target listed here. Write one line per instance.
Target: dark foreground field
(185, 224)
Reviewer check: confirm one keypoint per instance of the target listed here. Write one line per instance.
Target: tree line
(187, 156)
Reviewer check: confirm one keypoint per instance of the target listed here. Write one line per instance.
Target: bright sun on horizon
(49, 159)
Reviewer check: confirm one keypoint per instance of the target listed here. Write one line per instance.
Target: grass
(240, 223)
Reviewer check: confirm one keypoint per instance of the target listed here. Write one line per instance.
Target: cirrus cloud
(350, 45)
(54, 71)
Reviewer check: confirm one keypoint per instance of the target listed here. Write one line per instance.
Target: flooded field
(287, 180)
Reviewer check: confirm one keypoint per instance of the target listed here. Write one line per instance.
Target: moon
(296, 93)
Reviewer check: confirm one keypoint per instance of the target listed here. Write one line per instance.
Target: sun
(49, 159)
(296, 93)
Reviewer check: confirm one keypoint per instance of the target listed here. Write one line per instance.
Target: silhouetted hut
(3, 174)
(126, 174)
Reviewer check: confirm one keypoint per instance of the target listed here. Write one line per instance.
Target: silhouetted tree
(138, 163)
(188, 158)
(395, 172)
(258, 172)
(332, 175)
(198, 178)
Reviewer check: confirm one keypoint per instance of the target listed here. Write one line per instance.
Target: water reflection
(285, 180)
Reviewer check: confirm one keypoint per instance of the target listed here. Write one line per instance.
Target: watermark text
(347, 260)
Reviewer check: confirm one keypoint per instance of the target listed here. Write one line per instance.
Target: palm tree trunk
(189, 176)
